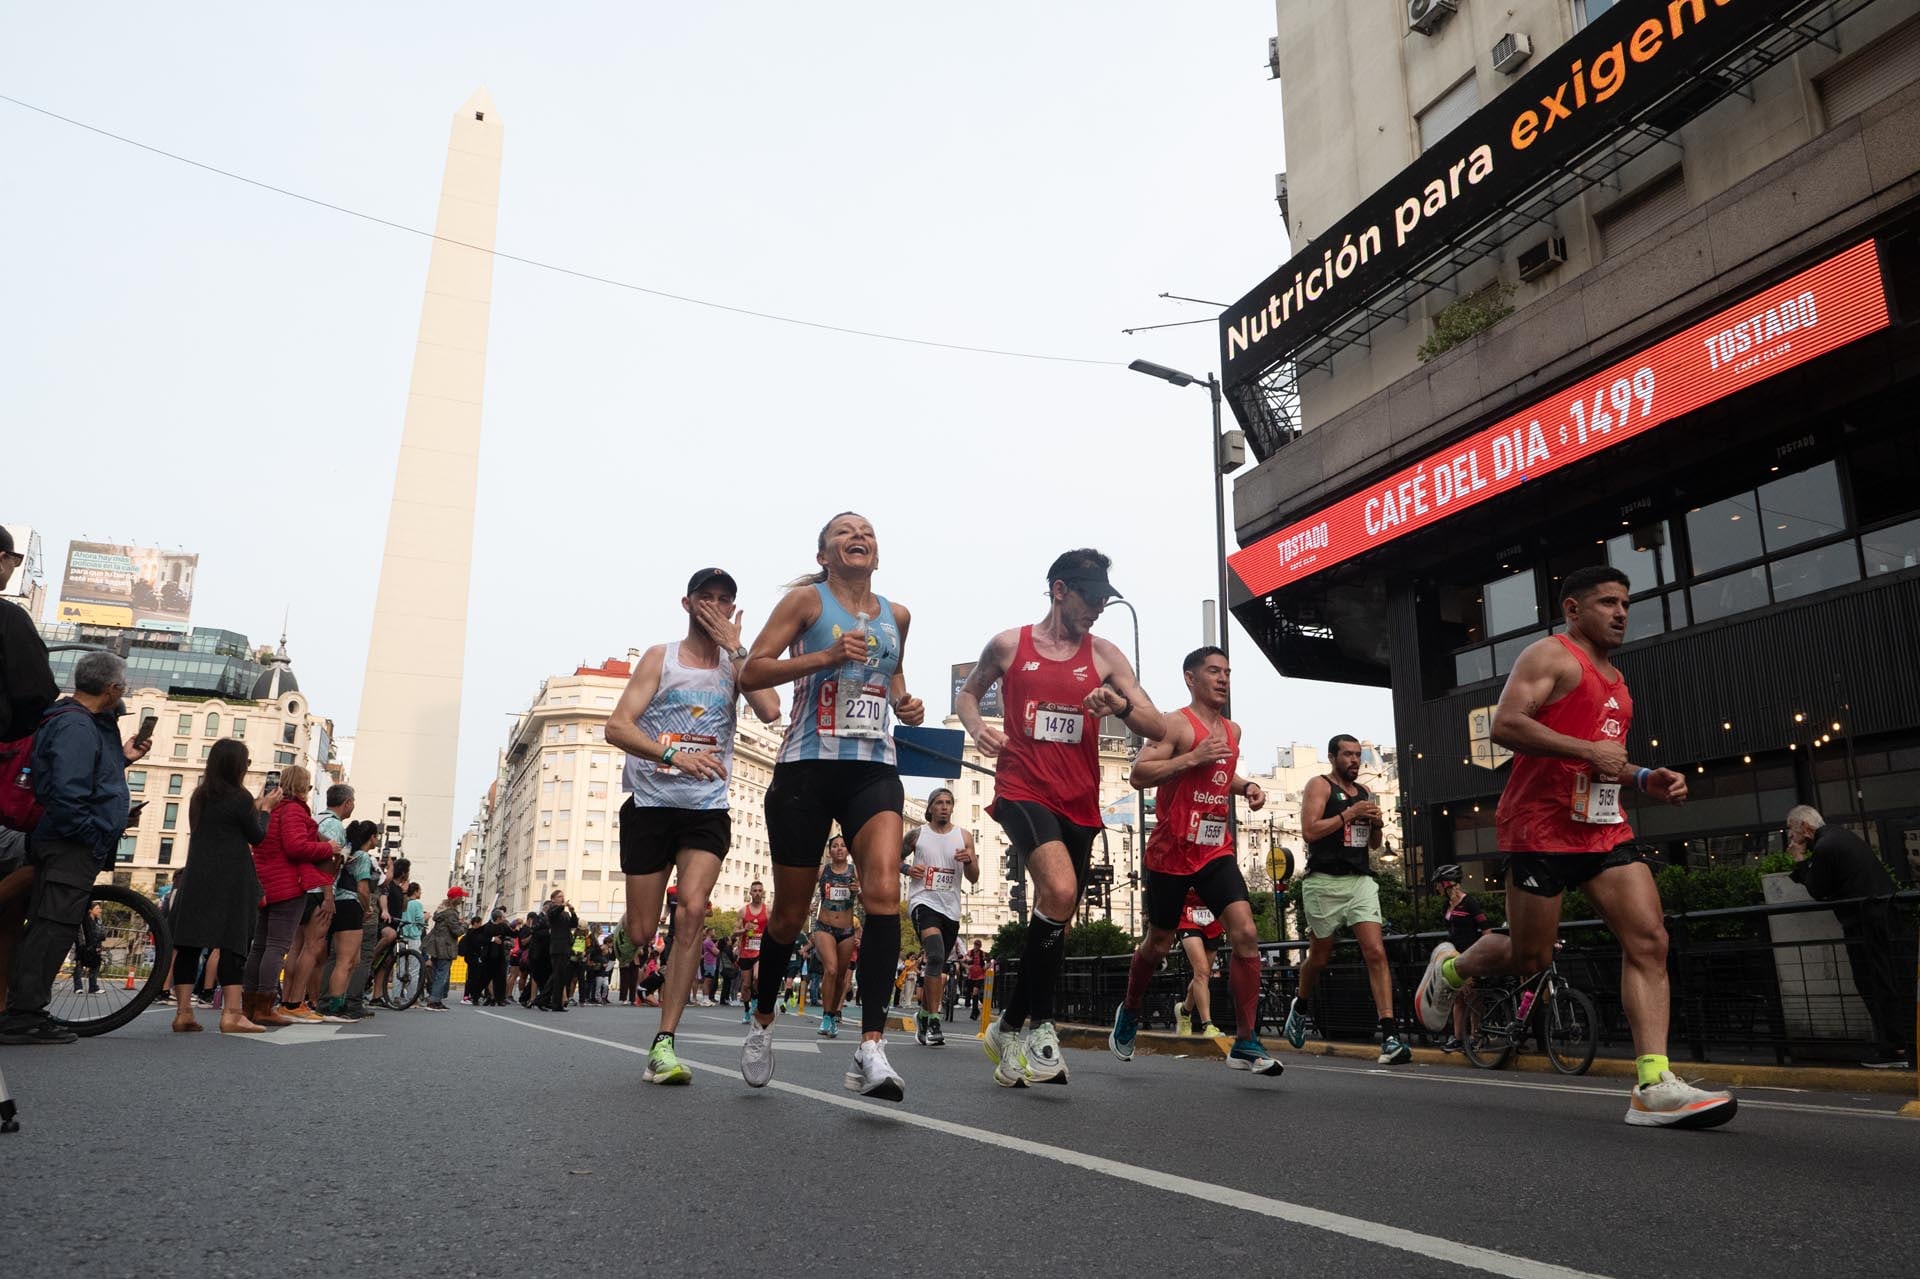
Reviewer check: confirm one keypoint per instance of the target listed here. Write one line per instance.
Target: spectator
(86, 951)
(307, 956)
(443, 943)
(729, 970)
(285, 861)
(26, 690)
(219, 890)
(79, 769)
(1836, 864)
(561, 923)
(393, 911)
(1465, 922)
(626, 955)
(500, 942)
(352, 899)
(709, 968)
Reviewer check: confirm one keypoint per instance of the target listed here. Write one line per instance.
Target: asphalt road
(476, 1143)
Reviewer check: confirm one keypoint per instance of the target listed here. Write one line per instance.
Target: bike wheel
(1570, 1030)
(403, 986)
(1490, 1039)
(135, 959)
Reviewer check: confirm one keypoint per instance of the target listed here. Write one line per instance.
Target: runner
(1200, 933)
(675, 720)
(746, 940)
(1059, 682)
(833, 932)
(940, 853)
(1564, 713)
(976, 970)
(1342, 826)
(840, 645)
(1191, 851)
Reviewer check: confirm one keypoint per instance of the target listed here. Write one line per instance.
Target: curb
(1896, 1083)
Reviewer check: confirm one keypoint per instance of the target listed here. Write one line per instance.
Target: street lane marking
(1610, 1094)
(1439, 1249)
(334, 1032)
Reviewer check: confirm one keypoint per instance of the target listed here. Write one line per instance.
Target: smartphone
(145, 734)
(133, 813)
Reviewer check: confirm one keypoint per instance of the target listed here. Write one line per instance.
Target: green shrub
(1460, 320)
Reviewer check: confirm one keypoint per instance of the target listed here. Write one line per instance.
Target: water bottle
(852, 682)
(1526, 1006)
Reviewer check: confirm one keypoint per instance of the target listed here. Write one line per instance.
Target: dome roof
(275, 681)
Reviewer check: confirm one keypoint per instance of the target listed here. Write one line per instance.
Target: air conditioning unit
(1513, 49)
(1543, 258)
(1273, 57)
(1280, 194)
(1426, 15)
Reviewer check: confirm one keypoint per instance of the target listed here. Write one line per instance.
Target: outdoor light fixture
(1218, 467)
(1162, 372)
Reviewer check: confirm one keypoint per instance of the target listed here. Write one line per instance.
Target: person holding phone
(218, 893)
(285, 859)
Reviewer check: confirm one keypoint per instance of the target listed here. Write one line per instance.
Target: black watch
(1126, 710)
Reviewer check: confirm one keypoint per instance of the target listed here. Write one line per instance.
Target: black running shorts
(809, 797)
(650, 838)
(1551, 874)
(1219, 884)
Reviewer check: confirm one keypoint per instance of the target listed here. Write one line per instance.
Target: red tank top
(1190, 812)
(1558, 805)
(754, 922)
(1052, 756)
(1196, 918)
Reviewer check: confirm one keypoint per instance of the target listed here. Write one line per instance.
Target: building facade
(1705, 220)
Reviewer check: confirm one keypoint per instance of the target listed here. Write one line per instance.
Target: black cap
(6, 540)
(1091, 583)
(706, 575)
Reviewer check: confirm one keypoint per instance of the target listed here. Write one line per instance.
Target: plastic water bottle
(1526, 1006)
(852, 682)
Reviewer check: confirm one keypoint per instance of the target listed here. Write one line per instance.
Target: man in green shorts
(1342, 826)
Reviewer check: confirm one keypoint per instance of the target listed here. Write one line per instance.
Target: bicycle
(136, 957)
(1502, 1013)
(406, 977)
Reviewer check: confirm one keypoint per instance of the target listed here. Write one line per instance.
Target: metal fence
(1751, 983)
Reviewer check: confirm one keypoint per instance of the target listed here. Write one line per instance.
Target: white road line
(1446, 1250)
(1606, 1094)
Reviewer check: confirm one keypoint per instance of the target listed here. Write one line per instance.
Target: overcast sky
(194, 362)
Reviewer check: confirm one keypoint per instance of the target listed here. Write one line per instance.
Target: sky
(194, 362)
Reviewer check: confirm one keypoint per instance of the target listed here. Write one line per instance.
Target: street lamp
(1222, 449)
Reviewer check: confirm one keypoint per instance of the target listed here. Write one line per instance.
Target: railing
(1737, 991)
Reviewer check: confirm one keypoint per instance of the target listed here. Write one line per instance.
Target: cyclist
(1465, 922)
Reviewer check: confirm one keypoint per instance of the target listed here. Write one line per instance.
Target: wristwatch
(739, 654)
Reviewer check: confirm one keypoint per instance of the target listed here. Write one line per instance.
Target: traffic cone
(129, 976)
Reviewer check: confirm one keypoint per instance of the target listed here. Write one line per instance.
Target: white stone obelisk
(406, 743)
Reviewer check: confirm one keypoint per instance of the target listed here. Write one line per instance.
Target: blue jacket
(80, 777)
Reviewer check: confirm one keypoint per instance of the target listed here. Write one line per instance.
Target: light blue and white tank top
(694, 710)
(853, 723)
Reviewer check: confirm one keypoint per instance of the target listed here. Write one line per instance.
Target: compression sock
(1452, 974)
(1243, 979)
(1139, 973)
(772, 973)
(1650, 1066)
(879, 952)
(1039, 971)
(1388, 1029)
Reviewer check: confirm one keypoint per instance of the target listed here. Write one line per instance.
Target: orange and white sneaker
(1675, 1103)
(300, 1012)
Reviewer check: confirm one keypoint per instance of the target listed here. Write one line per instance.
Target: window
(1448, 112)
(596, 846)
(1511, 603)
(1724, 533)
(546, 789)
(573, 733)
(179, 750)
(213, 724)
(553, 732)
(170, 817)
(136, 780)
(174, 782)
(124, 853)
(186, 726)
(565, 817)
(1640, 212)
(240, 727)
(289, 733)
(595, 789)
(1585, 11)
(166, 850)
(543, 845)
(1813, 571)
(1801, 508)
(559, 873)
(206, 752)
(1508, 650)
(589, 874)
(283, 757)
(1734, 593)
(566, 793)
(1888, 551)
(1473, 666)
(559, 845)
(1644, 555)
(1864, 78)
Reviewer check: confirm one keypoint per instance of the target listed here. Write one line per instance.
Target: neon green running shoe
(663, 1066)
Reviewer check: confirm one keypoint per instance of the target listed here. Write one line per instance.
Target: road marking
(1609, 1094)
(1439, 1249)
(334, 1032)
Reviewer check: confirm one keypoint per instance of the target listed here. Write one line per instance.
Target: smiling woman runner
(840, 645)
(833, 930)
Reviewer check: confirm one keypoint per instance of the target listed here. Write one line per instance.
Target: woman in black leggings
(214, 902)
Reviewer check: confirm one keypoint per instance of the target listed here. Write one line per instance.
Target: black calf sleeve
(879, 953)
(1039, 973)
(772, 971)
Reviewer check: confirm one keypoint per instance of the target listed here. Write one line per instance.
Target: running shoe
(1452, 1044)
(1126, 1028)
(1005, 1050)
(664, 1067)
(936, 1038)
(1211, 1031)
(1297, 1023)
(300, 1013)
(1180, 1026)
(756, 1056)
(829, 1026)
(1045, 1064)
(920, 1025)
(871, 1075)
(1433, 998)
(1675, 1103)
(746, 1012)
(1393, 1052)
(1250, 1054)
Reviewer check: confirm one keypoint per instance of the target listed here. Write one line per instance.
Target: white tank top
(935, 881)
(693, 709)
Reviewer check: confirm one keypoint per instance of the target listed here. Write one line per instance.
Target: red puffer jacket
(292, 858)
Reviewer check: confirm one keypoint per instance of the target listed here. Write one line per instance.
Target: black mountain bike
(1502, 1012)
(134, 960)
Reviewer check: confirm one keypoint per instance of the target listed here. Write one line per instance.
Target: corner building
(1705, 218)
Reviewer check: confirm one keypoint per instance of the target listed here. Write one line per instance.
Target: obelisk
(406, 743)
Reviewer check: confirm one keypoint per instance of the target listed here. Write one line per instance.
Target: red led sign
(1817, 311)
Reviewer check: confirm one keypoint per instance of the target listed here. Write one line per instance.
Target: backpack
(20, 808)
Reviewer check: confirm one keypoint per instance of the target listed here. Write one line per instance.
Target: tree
(723, 922)
(909, 937)
(1099, 937)
(1009, 941)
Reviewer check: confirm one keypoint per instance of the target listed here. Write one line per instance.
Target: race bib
(858, 710)
(1596, 802)
(1357, 835)
(838, 895)
(1209, 832)
(1055, 723)
(939, 879)
(685, 744)
(1201, 916)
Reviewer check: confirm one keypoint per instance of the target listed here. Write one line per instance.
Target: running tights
(1039, 973)
(879, 955)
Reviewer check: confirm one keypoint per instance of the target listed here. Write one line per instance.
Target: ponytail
(818, 577)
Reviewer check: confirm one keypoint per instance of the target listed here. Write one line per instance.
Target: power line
(555, 267)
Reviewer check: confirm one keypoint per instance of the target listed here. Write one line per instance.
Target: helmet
(1449, 873)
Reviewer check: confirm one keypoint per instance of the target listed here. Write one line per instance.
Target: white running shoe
(872, 1075)
(756, 1055)
(1433, 997)
(1045, 1065)
(1007, 1053)
(1675, 1103)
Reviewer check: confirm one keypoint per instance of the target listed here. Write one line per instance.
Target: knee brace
(935, 946)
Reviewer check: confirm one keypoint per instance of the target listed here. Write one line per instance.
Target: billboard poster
(131, 585)
(990, 704)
